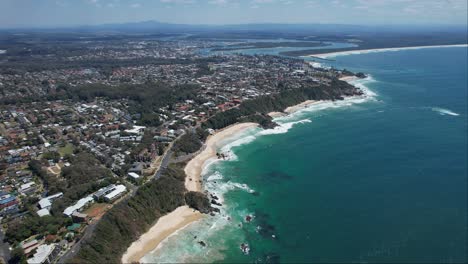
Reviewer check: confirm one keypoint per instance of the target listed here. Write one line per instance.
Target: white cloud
(135, 5)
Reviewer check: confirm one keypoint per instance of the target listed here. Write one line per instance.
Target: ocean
(376, 180)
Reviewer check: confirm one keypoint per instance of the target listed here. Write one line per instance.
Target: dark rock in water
(277, 176)
(248, 218)
(203, 244)
(360, 75)
(267, 231)
(272, 258)
(198, 201)
(245, 248)
(212, 214)
(254, 193)
(215, 203)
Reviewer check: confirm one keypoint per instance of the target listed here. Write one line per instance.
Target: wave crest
(444, 111)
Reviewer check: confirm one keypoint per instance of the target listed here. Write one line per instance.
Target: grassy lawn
(67, 149)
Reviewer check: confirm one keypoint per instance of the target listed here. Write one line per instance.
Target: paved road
(4, 248)
(77, 246)
(164, 163)
(90, 229)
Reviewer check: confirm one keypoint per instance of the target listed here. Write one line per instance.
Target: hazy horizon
(66, 13)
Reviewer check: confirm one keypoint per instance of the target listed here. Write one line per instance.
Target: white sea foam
(216, 184)
(352, 52)
(227, 149)
(282, 127)
(318, 65)
(244, 187)
(368, 95)
(215, 177)
(443, 111)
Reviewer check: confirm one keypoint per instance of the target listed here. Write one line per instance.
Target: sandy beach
(349, 78)
(182, 216)
(349, 52)
(164, 227)
(293, 109)
(195, 166)
(300, 106)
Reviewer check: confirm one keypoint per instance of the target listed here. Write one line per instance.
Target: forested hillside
(256, 110)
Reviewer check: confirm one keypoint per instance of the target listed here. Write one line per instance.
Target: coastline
(294, 108)
(194, 167)
(164, 227)
(183, 216)
(362, 51)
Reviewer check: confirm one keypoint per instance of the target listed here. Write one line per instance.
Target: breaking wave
(443, 111)
(185, 246)
(282, 127)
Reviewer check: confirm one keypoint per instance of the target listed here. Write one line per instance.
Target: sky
(58, 13)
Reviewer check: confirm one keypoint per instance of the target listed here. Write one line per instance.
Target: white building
(46, 202)
(27, 187)
(78, 205)
(45, 254)
(134, 176)
(116, 193)
(43, 212)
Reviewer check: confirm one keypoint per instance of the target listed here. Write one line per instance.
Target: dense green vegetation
(125, 222)
(199, 201)
(147, 97)
(18, 230)
(255, 110)
(85, 176)
(190, 142)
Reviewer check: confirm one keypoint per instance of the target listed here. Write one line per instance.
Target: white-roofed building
(135, 177)
(43, 212)
(27, 187)
(44, 254)
(46, 202)
(78, 205)
(116, 193)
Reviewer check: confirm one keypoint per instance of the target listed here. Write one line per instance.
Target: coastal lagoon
(377, 180)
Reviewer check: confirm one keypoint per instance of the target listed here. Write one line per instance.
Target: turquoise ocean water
(382, 179)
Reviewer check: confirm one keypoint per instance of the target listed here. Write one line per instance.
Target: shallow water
(376, 180)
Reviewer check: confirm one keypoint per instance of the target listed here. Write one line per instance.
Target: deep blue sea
(376, 180)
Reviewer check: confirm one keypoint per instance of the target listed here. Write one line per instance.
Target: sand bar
(195, 166)
(164, 227)
(350, 52)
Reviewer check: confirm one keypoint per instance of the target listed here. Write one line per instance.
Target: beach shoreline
(358, 51)
(164, 228)
(183, 216)
(194, 168)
